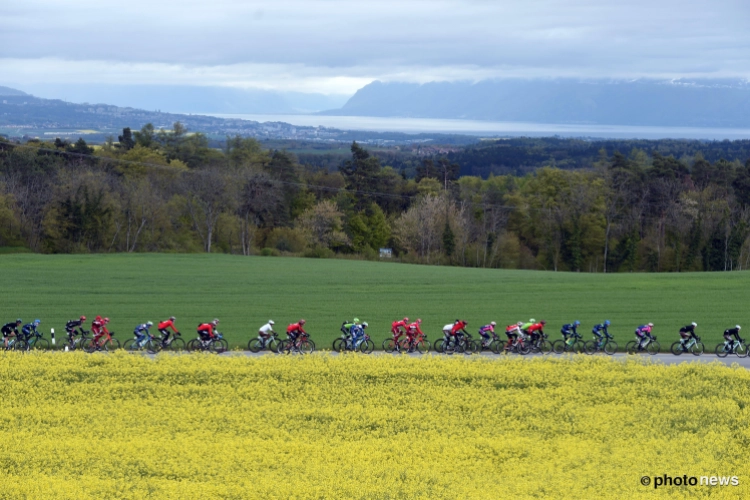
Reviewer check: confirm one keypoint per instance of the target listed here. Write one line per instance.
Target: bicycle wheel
(89, 345)
(153, 347)
(677, 348)
(312, 344)
(653, 347)
(111, 345)
(367, 346)
(20, 345)
(217, 346)
(439, 345)
(389, 345)
(545, 347)
(339, 345)
(558, 346)
(306, 347)
(40, 344)
(741, 351)
(193, 345)
(255, 345)
(589, 347)
(131, 346)
(423, 346)
(285, 346)
(610, 347)
(273, 344)
(697, 349)
(722, 350)
(631, 347)
(522, 348)
(494, 346)
(177, 344)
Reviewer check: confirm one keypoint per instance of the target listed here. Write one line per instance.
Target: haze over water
(490, 128)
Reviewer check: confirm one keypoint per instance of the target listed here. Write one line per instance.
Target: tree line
(169, 191)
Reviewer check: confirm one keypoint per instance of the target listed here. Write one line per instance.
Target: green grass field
(244, 292)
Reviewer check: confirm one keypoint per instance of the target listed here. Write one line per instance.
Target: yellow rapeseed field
(377, 427)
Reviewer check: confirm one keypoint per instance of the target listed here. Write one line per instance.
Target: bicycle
(216, 344)
(35, 340)
(478, 346)
(146, 343)
(572, 344)
(104, 343)
(75, 342)
(344, 343)
(16, 343)
(261, 343)
(518, 346)
(540, 345)
(606, 345)
(418, 344)
(652, 346)
(460, 343)
(392, 344)
(694, 346)
(732, 347)
(173, 343)
(302, 345)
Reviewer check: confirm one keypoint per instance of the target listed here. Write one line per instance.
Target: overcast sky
(333, 46)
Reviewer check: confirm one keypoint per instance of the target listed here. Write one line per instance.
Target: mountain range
(681, 103)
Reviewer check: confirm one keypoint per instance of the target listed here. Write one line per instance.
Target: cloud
(336, 46)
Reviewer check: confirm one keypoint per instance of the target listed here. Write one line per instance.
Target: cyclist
(485, 332)
(162, 327)
(358, 334)
(642, 333)
(525, 327)
(29, 329)
(729, 335)
(99, 328)
(686, 332)
(413, 330)
(571, 329)
(142, 331)
(346, 327)
(206, 330)
(512, 332)
(459, 330)
(398, 328)
(10, 328)
(599, 329)
(536, 330)
(71, 325)
(265, 331)
(293, 330)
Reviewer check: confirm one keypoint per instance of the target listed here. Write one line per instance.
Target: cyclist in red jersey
(99, 328)
(295, 329)
(162, 327)
(206, 330)
(536, 330)
(459, 327)
(398, 328)
(413, 330)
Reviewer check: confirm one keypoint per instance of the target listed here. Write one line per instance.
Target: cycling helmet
(98, 318)
(19, 321)
(650, 324)
(543, 322)
(356, 320)
(419, 321)
(694, 324)
(738, 327)
(302, 322)
(406, 319)
(37, 321)
(215, 321)
(172, 318)
(82, 318)
(270, 322)
(149, 323)
(576, 322)
(520, 323)
(493, 323)
(606, 323)
(106, 320)
(532, 320)
(364, 324)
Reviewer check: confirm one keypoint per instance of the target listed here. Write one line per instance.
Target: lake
(488, 128)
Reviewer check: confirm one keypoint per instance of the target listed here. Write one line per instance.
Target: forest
(169, 191)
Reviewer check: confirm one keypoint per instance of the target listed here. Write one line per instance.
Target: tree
(323, 223)
(362, 173)
(126, 141)
(206, 198)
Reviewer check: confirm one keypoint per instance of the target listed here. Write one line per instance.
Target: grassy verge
(244, 292)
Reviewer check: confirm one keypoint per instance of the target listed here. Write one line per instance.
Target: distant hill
(190, 98)
(9, 91)
(682, 103)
